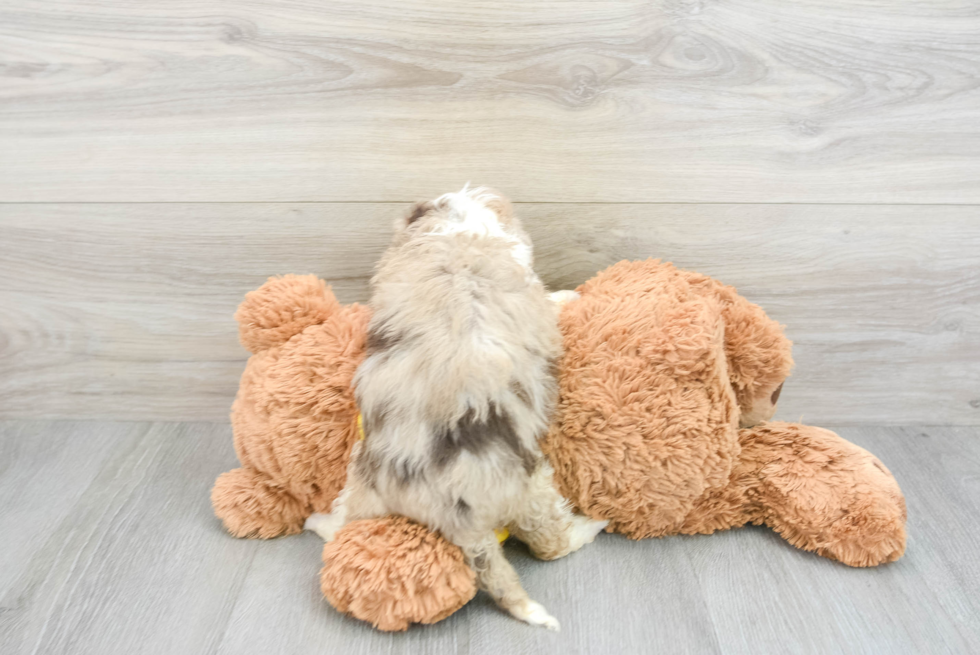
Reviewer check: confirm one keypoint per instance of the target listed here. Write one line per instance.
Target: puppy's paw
(325, 525)
(584, 531)
(534, 613)
(563, 297)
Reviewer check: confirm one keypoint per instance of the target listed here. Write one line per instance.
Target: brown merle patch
(419, 210)
(368, 467)
(405, 472)
(521, 392)
(381, 338)
(374, 420)
(476, 436)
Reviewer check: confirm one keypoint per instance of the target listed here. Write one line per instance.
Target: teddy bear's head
(661, 367)
(294, 417)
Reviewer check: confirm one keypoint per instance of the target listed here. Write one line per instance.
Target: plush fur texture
(820, 492)
(647, 420)
(661, 367)
(294, 418)
(395, 572)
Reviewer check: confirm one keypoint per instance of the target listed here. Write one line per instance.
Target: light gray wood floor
(108, 545)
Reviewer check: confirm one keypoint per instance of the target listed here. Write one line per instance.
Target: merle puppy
(457, 388)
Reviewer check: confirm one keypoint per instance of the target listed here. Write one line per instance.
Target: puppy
(457, 387)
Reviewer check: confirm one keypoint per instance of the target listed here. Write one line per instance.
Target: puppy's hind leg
(547, 524)
(326, 525)
(354, 503)
(497, 577)
(562, 298)
(357, 500)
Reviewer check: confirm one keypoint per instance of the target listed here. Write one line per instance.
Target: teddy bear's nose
(775, 394)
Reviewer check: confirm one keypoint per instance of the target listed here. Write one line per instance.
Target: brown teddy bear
(666, 383)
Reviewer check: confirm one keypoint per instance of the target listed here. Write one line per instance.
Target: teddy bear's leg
(548, 526)
(824, 494)
(393, 572)
(251, 504)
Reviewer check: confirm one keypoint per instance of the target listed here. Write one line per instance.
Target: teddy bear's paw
(824, 494)
(325, 525)
(251, 504)
(534, 613)
(393, 572)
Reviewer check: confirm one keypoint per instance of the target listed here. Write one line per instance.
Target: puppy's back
(458, 380)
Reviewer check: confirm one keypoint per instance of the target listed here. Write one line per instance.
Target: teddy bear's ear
(281, 308)
(759, 356)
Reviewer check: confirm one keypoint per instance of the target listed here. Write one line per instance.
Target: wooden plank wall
(124, 310)
(159, 160)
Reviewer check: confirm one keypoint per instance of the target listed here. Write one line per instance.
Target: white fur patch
(325, 525)
(521, 253)
(535, 614)
(584, 531)
(471, 216)
(564, 297)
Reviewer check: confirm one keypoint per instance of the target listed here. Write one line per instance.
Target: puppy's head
(479, 211)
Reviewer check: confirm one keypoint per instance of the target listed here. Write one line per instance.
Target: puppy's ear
(419, 210)
(499, 205)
